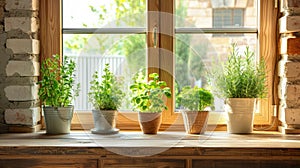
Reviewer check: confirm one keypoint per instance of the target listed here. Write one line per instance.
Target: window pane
(197, 53)
(126, 54)
(238, 17)
(216, 13)
(104, 13)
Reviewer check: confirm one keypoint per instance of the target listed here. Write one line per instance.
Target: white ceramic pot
(105, 122)
(240, 114)
(58, 119)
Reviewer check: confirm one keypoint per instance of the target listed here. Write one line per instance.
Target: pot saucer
(105, 132)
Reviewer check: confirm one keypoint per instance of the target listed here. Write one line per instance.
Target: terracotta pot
(240, 114)
(150, 122)
(195, 122)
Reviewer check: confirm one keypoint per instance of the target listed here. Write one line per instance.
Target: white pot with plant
(148, 98)
(241, 81)
(195, 102)
(106, 97)
(57, 91)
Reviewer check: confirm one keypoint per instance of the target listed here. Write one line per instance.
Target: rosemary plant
(240, 76)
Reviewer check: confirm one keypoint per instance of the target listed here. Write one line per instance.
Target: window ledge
(257, 139)
(134, 149)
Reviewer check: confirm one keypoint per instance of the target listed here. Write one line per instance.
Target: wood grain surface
(134, 149)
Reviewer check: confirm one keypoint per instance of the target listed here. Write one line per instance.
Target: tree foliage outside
(182, 49)
(118, 13)
(189, 64)
(131, 13)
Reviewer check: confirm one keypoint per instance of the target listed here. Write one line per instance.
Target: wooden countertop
(163, 139)
(134, 149)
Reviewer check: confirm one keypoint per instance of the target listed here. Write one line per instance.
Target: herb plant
(195, 99)
(107, 94)
(240, 76)
(149, 96)
(57, 84)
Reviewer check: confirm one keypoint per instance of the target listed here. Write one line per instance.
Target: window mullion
(153, 42)
(161, 52)
(167, 58)
(50, 28)
(195, 30)
(135, 30)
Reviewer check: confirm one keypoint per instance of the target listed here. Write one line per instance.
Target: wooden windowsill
(134, 149)
(217, 139)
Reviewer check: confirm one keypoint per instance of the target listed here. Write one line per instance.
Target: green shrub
(107, 94)
(195, 99)
(57, 84)
(240, 76)
(149, 96)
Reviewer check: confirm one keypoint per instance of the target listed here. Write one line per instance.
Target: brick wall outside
(200, 14)
(19, 65)
(289, 65)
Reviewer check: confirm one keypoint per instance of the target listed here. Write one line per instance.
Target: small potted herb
(57, 91)
(106, 97)
(195, 101)
(240, 80)
(148, 99)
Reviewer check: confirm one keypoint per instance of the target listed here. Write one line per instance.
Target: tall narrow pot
(58, 119)
(195, 122)
(105, 122)
(240, 114)
(150, 122)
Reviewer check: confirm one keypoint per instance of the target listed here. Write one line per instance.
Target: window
(185, 44)
(228, 18)
(204, 30)
(111, 32)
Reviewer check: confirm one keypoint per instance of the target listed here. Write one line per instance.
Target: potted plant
(195, 115)
(106, 97)
(148, 98)
(57, 91)
(241, 80)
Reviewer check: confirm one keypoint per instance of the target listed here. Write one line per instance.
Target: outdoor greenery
(107, 94)
(131, 13)
(196, 98)
(120, 13)
(148, 96)
(57, 84)
(240, 76)
(182, 49)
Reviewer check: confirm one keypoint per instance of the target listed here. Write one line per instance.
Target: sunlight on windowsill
(257, 139)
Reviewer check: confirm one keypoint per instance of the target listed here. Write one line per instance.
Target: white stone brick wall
(23, 46)
(19, 69)
(23, 68)
(289, 24)
(21, 93)
(289, 69)
(289, 66)
(28, 117)
(292, 116)
(26, 24)
(22, 5)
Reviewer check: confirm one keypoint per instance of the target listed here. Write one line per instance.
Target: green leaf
(149, 94)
